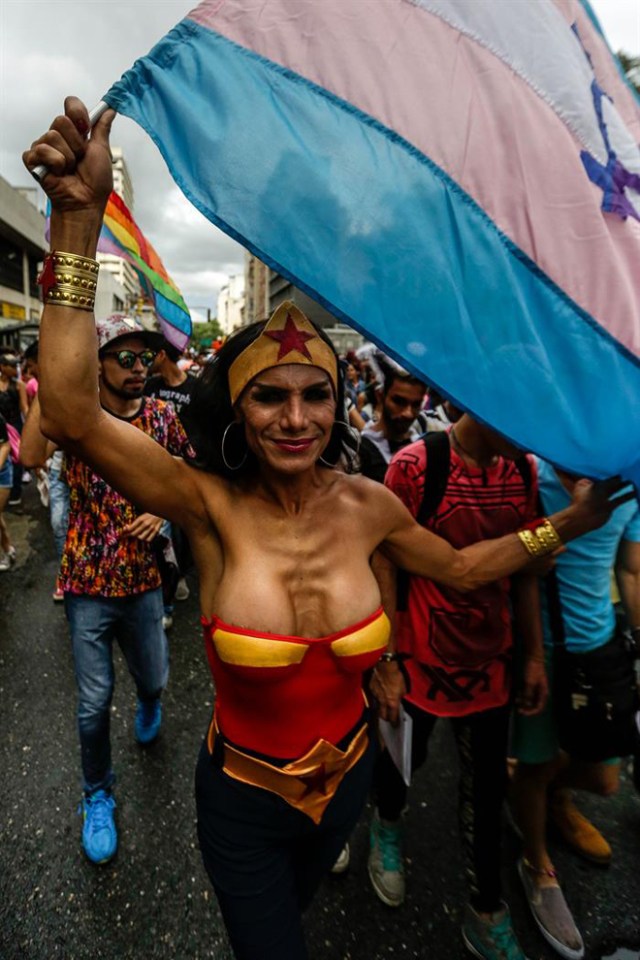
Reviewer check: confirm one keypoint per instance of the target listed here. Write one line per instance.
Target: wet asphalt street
(153, 901)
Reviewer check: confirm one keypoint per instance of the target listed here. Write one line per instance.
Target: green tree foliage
(631, 68)
(204, 333)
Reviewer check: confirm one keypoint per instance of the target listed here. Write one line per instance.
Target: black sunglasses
(127, 358)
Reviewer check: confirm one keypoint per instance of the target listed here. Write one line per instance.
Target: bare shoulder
(379, 504)
(206, 496)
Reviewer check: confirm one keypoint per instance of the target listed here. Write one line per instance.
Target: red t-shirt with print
(459, 644)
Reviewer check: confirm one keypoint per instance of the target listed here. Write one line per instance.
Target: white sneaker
(342, 863)
(5, 562)
(182, 590)
(167, 622)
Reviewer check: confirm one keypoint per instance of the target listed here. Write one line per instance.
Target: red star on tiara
(290, 338)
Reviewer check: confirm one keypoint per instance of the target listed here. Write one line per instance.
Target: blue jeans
(136, 623)
(58, 507)
(6, 476)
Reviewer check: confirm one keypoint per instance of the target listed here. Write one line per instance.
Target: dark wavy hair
(210, 413)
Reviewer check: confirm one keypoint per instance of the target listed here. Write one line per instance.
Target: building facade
(110, 296)
(231, 304)
(22, 250)
(265, 290)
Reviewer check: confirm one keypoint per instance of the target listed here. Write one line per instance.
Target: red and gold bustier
(279, 695)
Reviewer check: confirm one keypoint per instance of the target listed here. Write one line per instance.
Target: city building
(257, 278)
(110, 296)
(231, 304)
(22, 250)
(266, 289)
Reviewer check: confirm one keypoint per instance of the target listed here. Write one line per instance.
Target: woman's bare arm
(78, 185)
(34, 446)
(421, 552)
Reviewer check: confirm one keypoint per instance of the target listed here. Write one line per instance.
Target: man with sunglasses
(110, 576)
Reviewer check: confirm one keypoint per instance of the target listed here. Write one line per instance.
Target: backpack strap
(435, 484)
(437, 476)
(523, 465)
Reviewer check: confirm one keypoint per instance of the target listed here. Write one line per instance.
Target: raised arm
(421, 552)
(78, 186)
(35, 449)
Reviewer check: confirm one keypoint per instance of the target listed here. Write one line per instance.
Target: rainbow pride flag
(122, 237)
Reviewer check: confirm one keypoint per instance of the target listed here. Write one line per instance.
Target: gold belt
(308, 784)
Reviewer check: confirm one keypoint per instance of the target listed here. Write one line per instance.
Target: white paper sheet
(398, 742)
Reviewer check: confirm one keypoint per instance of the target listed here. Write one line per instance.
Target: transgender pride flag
(459, 179)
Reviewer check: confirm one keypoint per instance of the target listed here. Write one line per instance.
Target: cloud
(620, 20)
(52, 48)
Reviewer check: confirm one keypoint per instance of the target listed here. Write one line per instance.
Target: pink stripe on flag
(470, 114)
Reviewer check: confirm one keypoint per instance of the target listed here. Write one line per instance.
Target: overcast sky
(50, 48)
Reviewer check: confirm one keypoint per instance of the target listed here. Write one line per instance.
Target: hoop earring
(233, 423)
(349, 429)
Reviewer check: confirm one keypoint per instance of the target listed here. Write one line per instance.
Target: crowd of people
(364, 551)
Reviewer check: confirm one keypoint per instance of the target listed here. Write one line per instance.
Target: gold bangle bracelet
(61, 296)
(78, 279)
(544, 539)
(74, 262)
(547, 536)
(529, 542)
(75, 284)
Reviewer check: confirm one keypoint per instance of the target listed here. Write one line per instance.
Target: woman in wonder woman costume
(282, 541)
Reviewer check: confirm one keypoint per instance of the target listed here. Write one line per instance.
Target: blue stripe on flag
(171, 313)
(379, 234)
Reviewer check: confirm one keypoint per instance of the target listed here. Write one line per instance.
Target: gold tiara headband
(288, 337)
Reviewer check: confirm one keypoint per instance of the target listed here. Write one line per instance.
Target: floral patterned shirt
(98, 560)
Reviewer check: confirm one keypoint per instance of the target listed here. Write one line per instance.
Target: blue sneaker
(148, 720)
(491, 939)
(99, 834)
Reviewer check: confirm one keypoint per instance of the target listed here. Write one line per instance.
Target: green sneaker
(386, 870)
(491, 939)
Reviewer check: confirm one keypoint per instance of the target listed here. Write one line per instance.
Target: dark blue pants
(266, 859)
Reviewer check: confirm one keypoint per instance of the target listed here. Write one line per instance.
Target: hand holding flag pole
(120, 236)
(41, 170)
